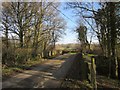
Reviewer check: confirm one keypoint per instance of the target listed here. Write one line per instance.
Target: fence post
(93, 73)
(119, 69)
(0, 63)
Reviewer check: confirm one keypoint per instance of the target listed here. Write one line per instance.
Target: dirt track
(48, 75)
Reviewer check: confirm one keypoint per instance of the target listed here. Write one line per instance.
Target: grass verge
(7, 72)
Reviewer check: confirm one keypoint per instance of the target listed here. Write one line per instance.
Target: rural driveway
(47, 75)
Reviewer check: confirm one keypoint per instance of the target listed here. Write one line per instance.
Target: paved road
(47, 75)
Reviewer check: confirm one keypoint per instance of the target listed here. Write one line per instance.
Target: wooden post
(1, 63)
(119, 69)
(93, 73)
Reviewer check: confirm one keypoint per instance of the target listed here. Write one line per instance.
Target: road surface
(50, 74)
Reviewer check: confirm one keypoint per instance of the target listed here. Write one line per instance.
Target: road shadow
(39, 75)
(79, 69)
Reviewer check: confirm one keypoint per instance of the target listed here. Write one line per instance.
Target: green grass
(7, 71)
(91, 55)
(67, 55)
(33, 62)
(88, 56)
(72, 53)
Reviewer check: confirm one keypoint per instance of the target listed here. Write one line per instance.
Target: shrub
(8, 57)
(22, 55)
(102, 65)
(118, 68)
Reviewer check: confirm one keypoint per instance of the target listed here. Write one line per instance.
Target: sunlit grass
(7, 71)
(91, 55)
(67, 55)
(88, 56)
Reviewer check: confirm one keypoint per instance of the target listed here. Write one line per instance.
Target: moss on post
(93, 73)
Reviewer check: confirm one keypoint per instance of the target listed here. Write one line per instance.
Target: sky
(71, 36)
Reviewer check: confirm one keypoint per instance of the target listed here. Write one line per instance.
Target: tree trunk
(21, 38)
(113, 39)
(118, 69)
(108, 40)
